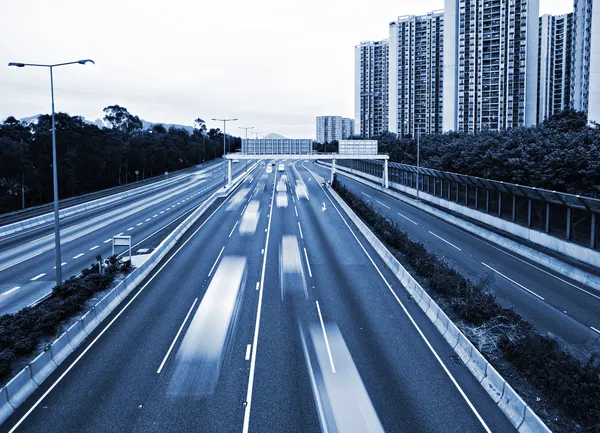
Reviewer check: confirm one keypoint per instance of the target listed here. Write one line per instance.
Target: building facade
(330, 128)
(276, 146)
(490, 64)
(347, 128)
(585, 81)
(371, 88)
(416, 74)
(554, 65)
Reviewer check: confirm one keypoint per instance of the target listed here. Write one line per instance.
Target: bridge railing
(566, 216)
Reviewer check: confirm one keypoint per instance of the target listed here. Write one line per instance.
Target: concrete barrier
(513, 406)
(532, 423)
(501, 392)
(6, 408)
(89, 321)
(433, 312)
(463, 348)
(42, 367)
(112, 300)
(442, 322)
(61, 348)
(20, 387)
(102, 309)
(76, 334)
(477, 365)
(568, 249)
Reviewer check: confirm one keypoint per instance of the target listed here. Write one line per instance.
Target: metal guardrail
(34, 211)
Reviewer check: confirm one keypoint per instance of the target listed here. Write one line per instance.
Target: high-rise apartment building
(416, 74)
(490, 64)
(347, 128)
(331, 128)
(554, 65)
(585, 81)
(371, 88)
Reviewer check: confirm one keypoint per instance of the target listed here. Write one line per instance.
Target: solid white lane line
(107, 241)
(307, 263)
(8, 292)
(233, 229)
(94, 247)
(257, 324)
(70, 367)
(300, 228)
(384, 205)
(407, 218)
(216, 261)
(595, 329)
(444, 240)
(129, 229)
(148, 219)
(326, 340)
(366, 194)
(296, 209)
(78, 255)
(248, 351)
(435, 354)
(37, 277)
(162, 364)
(512, 281)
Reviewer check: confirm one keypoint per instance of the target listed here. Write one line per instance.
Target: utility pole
(418, 159)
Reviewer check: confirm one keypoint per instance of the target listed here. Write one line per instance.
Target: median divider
(27, 380)
(60, 349)
(516, 410)
(42, 366)
(20, 387)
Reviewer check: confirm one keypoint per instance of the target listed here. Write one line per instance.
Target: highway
(553, 303)
(27, 260)
(273, 314)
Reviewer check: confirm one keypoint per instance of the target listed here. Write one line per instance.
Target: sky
(275, 65)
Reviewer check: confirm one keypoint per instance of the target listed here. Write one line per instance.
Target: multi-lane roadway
(27, 261)
(273, 314)
(553, 303)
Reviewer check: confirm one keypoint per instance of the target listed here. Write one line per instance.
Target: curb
(512, 405)
(24, 383)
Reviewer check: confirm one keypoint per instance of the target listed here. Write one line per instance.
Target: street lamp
(246, 128)
(54, 167)
(224, 133)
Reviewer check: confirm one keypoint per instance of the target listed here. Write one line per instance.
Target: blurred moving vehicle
(269, 169)
(281, 166)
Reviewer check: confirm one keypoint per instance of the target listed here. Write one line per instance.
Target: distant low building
(276, 146)
(358, 147)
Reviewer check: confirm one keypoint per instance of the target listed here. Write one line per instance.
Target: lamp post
(54, 167)
(418, 159)
(224, 132)
(246, 128)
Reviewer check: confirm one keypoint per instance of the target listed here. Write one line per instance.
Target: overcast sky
(274, 64)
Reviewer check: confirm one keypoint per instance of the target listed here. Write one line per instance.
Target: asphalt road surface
(273, 314)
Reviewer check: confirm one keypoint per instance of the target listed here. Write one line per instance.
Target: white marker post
(122, 241)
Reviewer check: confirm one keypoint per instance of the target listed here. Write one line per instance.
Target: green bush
(563, 381)
(22, 332)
